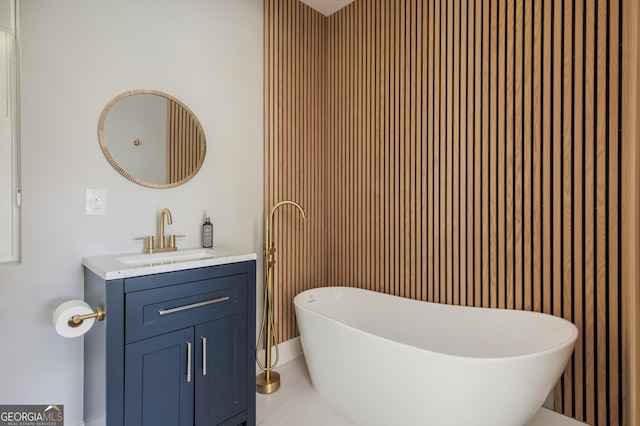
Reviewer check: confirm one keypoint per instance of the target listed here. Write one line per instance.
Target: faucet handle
(149, 243)
(172, 240)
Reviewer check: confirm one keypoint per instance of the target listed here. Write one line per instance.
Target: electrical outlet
(96, 202)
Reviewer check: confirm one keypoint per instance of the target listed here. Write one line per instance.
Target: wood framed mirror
(151, 138)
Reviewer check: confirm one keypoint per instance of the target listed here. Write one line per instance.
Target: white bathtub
(386, 360)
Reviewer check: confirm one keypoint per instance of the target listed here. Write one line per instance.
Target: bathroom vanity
(177, 346)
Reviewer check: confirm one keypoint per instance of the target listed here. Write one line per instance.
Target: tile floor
(296, 403)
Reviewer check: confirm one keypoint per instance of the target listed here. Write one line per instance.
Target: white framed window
(10, 195)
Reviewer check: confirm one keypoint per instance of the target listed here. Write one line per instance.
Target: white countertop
(126, 265)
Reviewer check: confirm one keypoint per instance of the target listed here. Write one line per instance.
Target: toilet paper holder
(77, 320)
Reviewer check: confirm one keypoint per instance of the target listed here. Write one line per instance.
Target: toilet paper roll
(65, 312)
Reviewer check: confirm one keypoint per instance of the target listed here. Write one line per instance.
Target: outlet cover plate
(96, 202)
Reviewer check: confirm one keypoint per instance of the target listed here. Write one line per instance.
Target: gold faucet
(150, 246)
(164, 213)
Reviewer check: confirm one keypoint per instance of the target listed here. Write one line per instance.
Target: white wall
(76, 56)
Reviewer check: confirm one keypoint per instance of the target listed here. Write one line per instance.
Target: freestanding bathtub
(387, 360)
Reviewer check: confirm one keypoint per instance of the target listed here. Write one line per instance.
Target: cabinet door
(159, 380)
(221, 367)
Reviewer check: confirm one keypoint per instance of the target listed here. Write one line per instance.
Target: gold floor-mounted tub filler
(269, 381)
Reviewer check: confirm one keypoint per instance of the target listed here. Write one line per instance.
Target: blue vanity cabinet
(156, 388)
(222, 382)
(178, 348)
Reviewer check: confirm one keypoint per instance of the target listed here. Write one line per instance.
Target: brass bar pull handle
(76, 320)
(204, 356)
(188, 362)
(192, 306)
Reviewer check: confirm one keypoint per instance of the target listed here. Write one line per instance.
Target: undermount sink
(167, 257)
(137, 264)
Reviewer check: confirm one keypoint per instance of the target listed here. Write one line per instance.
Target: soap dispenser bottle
(207, 233)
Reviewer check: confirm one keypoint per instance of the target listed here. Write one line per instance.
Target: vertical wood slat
(454, 157)
(518, 150)
(509, 87)
(567, 219)
(546, 166)
(600, 214)
(578, 208)
(629, 173)
(614, 214)
(588, 201)
(493, 143)
(464, 278)
(556, 179)
(463, 153)
(477, 119)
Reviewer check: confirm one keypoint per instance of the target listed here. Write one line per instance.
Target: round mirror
(151, 138)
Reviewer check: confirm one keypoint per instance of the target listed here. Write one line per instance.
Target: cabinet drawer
(161, 310)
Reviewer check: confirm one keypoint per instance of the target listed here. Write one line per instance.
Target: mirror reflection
(151, 138)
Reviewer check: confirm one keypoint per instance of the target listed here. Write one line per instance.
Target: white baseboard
(289, 350)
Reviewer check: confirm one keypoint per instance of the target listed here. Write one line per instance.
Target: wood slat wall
(458, 152)
(295, 154)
